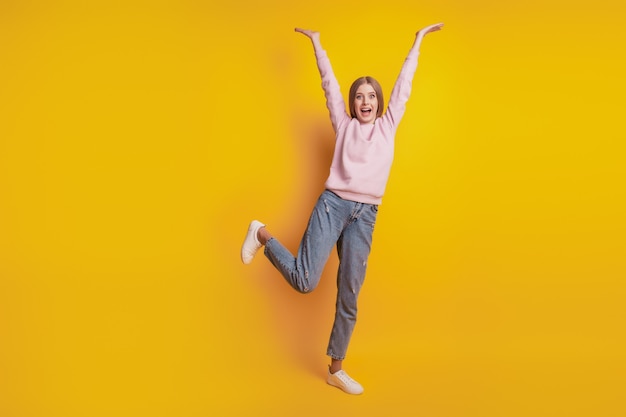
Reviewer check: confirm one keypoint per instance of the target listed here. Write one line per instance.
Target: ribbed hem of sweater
(359, 198)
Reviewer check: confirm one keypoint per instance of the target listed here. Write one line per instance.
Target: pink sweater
(363, 152)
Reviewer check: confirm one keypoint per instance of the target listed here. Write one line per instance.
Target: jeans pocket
(373, 215)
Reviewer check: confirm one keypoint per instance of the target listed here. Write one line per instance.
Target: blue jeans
(349, 225)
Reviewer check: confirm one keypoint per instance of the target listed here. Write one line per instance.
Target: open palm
(430, 28)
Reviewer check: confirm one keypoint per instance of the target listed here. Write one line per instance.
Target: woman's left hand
(431, 28)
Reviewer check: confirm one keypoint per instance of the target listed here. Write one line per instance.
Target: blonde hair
(377, 88)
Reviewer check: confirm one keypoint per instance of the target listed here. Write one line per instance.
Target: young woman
(345, 213)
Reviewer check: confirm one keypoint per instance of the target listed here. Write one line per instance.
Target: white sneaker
(251, 243)
(342, 380)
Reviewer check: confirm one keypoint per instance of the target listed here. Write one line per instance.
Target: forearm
(419, 37)
(334, 99)
(402, 88)
(415, 48)
(317, 45)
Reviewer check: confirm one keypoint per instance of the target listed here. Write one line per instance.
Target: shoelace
(345, 378)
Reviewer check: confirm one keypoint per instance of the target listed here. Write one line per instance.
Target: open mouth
(366, 112)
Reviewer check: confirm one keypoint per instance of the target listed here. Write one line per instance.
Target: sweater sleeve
(402, 89)
(334, 99)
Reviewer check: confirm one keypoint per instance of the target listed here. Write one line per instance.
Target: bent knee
(305, 288)
(305, 283)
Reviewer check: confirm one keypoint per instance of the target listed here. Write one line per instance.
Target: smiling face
(366, 100)
(366, 103)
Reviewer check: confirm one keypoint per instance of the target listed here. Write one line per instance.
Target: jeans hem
(335, 357)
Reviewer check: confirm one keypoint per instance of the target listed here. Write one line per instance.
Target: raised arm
(334, 99)
(402, 88)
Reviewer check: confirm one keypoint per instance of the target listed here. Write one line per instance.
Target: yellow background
(139, 138)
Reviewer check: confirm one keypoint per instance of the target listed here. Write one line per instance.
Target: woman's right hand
(311, 34)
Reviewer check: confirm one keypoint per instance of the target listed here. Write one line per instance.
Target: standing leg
(353, 248)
